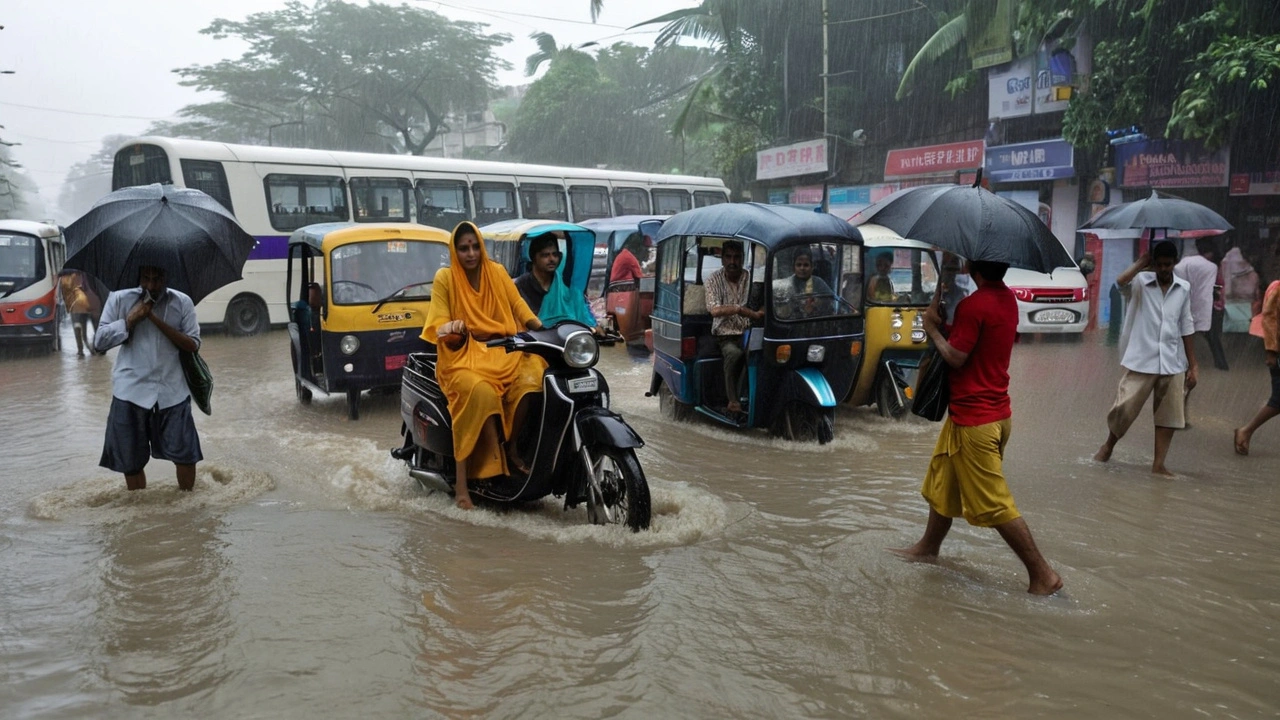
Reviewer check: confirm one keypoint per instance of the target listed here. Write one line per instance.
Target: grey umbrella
(971, 222)
(1158, 212)
(190, 235)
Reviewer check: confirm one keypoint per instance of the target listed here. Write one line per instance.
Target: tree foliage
(342, 75)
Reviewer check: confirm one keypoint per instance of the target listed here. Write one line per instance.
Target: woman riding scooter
(473, 301)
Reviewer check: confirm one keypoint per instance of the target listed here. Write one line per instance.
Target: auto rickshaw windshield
(369, 272)
(901, 276)
(817, 280)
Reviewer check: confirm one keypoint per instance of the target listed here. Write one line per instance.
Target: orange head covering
(487, 310)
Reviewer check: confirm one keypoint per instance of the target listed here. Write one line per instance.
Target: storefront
(950, 163)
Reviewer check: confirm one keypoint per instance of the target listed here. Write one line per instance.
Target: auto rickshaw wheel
(802, 422)
(670, 407)
(353, 404)
(617, 492)
(887, 399)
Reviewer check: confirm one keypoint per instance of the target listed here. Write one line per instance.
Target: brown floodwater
(308, 576)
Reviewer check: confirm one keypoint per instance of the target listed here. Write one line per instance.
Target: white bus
(273, 191)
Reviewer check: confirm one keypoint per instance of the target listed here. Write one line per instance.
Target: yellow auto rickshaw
(362, 296)
(900, 277)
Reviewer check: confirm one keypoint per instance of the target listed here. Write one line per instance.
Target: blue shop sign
(853, 195)
(1024, 162)
(779, 197)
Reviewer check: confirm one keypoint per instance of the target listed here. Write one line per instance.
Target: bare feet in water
(1103, 454)
(915, 554)
(1162, 471)
(1242, 447)
(1049, 585)
(463, 501)
(514, 463)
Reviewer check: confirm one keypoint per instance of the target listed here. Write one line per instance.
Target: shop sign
(860, 195)
(1171, 164)
(1262, 183)
(936, 160)
(807, 194)
(803, 158)
(1041, 160)
(779, 197)
(1009, 91)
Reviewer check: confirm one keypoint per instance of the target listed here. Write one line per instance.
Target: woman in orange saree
(472, 301)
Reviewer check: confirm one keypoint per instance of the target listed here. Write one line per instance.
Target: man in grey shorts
(1156, 352)
(150, 404)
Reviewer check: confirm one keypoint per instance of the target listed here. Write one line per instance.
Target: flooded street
(308, 576)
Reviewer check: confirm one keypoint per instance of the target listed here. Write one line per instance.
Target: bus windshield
(369, 272)
(21, 262)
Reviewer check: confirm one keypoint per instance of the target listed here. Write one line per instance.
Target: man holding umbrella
(1156, 352)
(150, 405)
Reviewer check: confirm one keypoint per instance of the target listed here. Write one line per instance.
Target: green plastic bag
(199, 379)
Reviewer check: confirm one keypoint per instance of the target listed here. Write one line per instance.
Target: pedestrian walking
(150, 412)
(966, 474)
(1266, 324)
(1201, 272)
(1156, 352)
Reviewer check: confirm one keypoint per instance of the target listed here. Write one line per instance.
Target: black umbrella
(1158, 212)
(188, 234)
(971, 222)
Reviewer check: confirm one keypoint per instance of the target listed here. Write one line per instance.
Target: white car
(1057, 303)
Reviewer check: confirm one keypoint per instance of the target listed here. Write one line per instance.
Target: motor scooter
(576, 447)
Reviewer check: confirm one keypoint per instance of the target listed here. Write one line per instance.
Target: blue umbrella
(188, 234)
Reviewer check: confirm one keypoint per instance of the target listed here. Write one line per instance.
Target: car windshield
(367, 272)
(818, 280)
(900, 276)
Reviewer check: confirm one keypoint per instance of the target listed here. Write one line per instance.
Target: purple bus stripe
(270, 247)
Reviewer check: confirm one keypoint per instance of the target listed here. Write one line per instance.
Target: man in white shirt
(1156, 352)
(1202, 272)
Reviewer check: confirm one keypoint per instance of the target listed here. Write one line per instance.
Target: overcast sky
(84, 69)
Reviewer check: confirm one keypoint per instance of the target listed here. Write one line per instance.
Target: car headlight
(349, 344)
(581, 350)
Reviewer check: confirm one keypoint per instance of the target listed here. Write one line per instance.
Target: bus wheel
(246, 316)
(353, 404)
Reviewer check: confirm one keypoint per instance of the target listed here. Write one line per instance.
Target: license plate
(584, 384)
(394, 362)
(1054, 316)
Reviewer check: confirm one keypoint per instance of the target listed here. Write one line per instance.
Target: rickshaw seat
(695, 300)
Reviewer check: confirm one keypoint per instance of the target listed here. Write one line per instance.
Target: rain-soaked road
(308, 577)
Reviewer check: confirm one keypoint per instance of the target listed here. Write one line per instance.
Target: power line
(501, 13)
(51, 140)
(77, 112)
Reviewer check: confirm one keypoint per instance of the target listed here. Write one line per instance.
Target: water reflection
(163, 619)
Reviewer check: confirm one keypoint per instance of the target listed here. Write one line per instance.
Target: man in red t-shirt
(966, 475)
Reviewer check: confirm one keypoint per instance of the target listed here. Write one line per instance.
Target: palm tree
(976, 15)
(547, 51)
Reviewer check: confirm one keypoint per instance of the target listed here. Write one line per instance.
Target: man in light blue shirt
(150, 406)
(1156, 352)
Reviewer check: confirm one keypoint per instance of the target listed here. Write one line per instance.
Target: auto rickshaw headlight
(349, 344)
(896, 321)
(581, 350)
(816, 353)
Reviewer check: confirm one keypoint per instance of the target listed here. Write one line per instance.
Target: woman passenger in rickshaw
(880, 288)
(474, 300)
(804, 294)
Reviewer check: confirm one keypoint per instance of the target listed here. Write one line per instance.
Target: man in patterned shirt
(727, 290)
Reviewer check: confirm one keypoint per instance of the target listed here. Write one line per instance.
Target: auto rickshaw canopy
(770, 225)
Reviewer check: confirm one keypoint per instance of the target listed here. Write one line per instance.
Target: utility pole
(826, 71)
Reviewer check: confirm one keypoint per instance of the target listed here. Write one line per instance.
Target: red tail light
(1023, 294)
(1082, 294)
(688, 347)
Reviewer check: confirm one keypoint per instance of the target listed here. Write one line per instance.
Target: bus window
(630, 201)
(140, 165)
(544, 202)
(589, 202)
(21, 262)
(208, 177)
(297, 200)
(443, 203)
(494, 202)
(381, 199)
(702, 198)
(670, 202)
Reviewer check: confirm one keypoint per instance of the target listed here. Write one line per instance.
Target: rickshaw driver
(727, 291)
(802, 295)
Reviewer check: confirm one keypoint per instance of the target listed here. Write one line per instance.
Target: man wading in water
(966, 474)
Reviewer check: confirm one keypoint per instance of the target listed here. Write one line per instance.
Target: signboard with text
(1009, 89)
(1258, 183)
(803, 158)
(935, 160)
(1031, 161)
(1171, 164)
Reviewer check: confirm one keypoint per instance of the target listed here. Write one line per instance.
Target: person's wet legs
(1044, 581)
(929, 544)
(186, 476)
(1245, 434)
(1164, 438)
(136, 481)
(514, 460)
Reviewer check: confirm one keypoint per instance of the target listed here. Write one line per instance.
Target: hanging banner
(934, 160)
(1009, 89)
(992, 44)
(803, 158)
(1022, 162)
(1171, 164)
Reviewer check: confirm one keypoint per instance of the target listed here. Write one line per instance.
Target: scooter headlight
(581, 350)
(349, 344)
